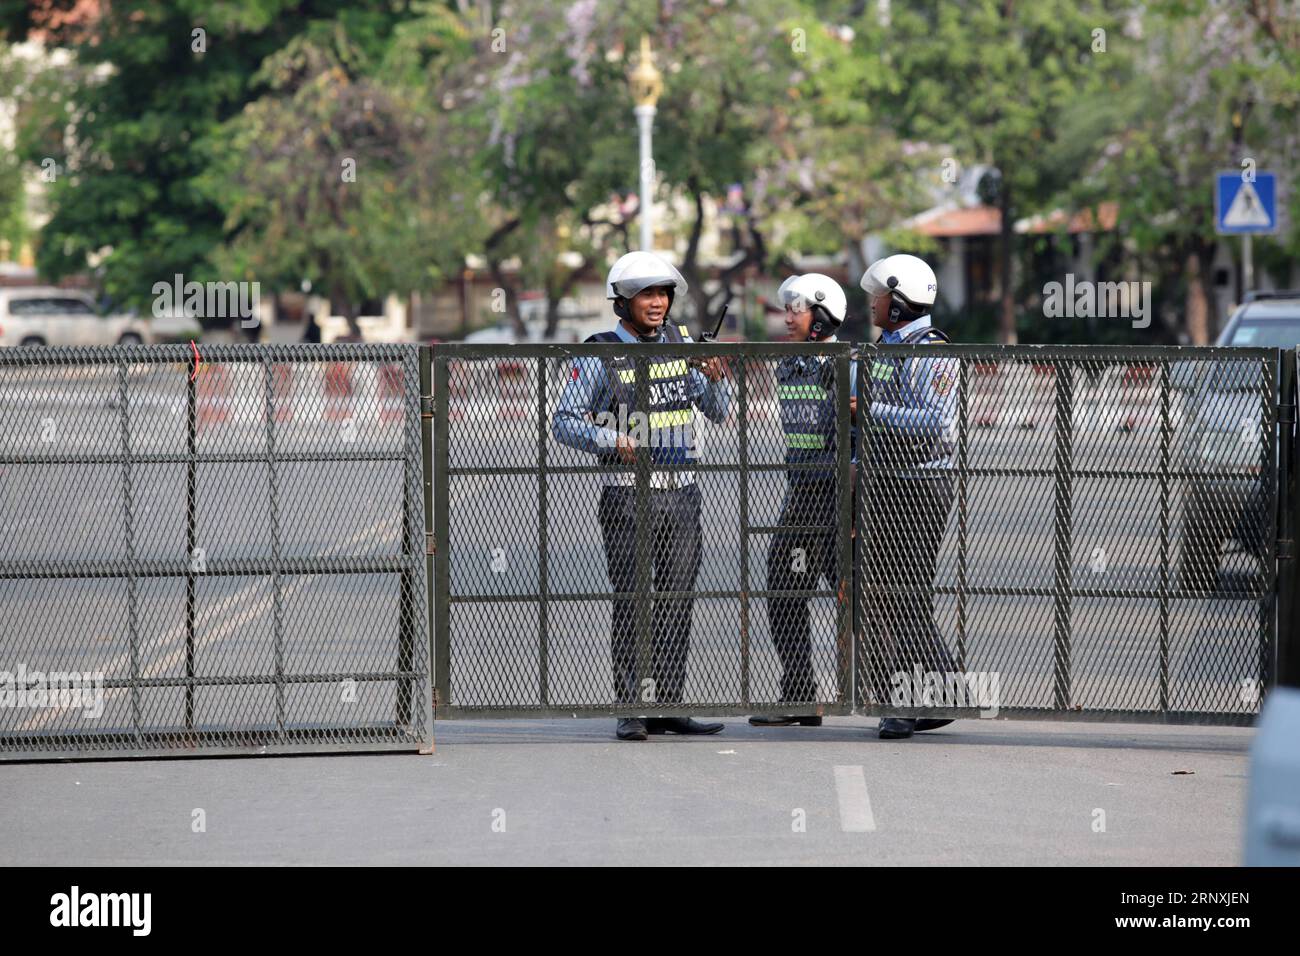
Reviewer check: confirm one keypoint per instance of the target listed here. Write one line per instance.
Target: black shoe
(779, 720)
(896, 728)
(630, 728)
(932, 723)
(680, 725)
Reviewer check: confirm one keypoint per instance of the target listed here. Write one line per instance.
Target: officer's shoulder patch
(942, 381)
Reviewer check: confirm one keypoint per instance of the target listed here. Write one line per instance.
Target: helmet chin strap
(821, 326)
(901, 311)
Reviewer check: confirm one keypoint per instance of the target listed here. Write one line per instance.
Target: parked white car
(48, 316)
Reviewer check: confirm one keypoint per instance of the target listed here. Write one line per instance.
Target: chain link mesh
(1098, 542)
(228, 558)
(581, 581)
(1093, 536)
(233, 560)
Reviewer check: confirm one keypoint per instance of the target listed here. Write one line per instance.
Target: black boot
(932, 723)
(783, 720)
(680, 725)
(896, 728)
(630, 728)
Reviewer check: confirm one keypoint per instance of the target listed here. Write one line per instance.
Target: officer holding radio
(598, 414)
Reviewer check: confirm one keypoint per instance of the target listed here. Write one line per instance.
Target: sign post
(1245, 203)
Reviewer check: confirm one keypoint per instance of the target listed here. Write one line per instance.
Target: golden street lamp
(647, 83)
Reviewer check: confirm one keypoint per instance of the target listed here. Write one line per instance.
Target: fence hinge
(1286, 413)
(435, 698)
(430, 543)
(426, 406)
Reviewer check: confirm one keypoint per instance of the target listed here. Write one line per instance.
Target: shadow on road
(1156, 737)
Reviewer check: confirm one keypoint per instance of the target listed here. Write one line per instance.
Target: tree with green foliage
(759, 99)
(164, 76)
(1201, 95)
(991, 79)
(533, 109)
(331, 177)
(13, 229)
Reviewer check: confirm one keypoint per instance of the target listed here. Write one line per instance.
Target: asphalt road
(565, 792)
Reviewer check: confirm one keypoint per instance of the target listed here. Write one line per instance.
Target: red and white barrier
(514, 390)
(338, 391)
(211, 395)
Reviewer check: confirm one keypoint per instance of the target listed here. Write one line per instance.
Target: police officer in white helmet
(909, 435)
(797, 559)
(596, 415)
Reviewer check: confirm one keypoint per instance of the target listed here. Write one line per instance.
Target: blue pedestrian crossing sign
(1245, 204)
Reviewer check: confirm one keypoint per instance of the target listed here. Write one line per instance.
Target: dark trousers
(905, 527)
(797, 561)
(673, 540)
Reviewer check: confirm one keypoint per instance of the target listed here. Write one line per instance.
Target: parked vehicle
(1224, 437)
(35, 316)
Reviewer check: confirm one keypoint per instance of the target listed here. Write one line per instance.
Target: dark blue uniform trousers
(904, 531)
(797, 561)
(674, 542)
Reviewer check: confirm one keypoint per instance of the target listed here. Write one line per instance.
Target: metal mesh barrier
(227, 559)
(578, 577)
(1072, 532)
(1079, 533)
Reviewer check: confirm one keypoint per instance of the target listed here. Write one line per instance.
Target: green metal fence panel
(1104, 547)
(269, 553)
(572, 581)
(1288, 519)
(215, 557)
(1074, 533)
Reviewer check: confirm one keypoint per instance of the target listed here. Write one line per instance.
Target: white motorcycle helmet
(637, 271)
(819, 294)
(907, 280)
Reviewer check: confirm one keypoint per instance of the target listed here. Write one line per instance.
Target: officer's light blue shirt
(588, 394)
(928, 389)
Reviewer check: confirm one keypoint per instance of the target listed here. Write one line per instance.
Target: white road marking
(855, 805)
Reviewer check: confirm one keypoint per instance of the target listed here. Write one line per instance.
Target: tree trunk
(1198, 309)
(351, 310)
(690, 273)
(493, 256)
(342, 303)
(553, 299)
(1007, 312)
(512, 298)
(555, 293)
(1206, 252)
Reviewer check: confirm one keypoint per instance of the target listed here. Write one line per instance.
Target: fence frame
(850, 700)
(1279, 643)
(192, 741)
(642, 353)
(1275, 364)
